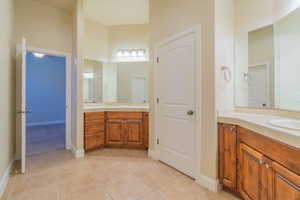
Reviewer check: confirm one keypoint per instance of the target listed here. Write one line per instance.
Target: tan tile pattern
(108, 174)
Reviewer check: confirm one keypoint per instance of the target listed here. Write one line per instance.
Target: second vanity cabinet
(119, 129)
(257, 167)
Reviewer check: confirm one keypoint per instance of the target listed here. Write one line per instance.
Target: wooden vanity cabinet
(265, 169)
(116, 129)
(228, 156)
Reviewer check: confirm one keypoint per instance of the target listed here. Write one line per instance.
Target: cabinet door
(227, 156)
(92, 142)
(115, 132)
(250, 173)
(286, 184)
(134, 137)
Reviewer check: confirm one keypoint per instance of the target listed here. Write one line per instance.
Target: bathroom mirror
(267, 46)
(123, 82)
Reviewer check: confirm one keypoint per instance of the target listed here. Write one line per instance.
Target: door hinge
(157, 59)
(157, 100)
(157, 141)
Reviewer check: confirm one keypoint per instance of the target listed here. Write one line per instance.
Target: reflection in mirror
(287, 38)
(266, 51)
(116, 82)
(260, 68)
(92, 81)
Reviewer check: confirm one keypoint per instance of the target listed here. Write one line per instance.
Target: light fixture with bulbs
(131, 53)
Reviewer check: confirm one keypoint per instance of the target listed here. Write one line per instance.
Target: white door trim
(197, 31)
(68, 57)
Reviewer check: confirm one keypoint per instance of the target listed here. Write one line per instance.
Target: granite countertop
(97, 107)
(260, 123)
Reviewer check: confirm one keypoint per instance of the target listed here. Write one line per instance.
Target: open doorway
(46, 100)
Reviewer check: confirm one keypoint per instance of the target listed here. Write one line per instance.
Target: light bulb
(141, 53)
(126, 53)
(133, 54)
(120, 54)
(38, 55)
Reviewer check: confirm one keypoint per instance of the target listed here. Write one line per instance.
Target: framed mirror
(267, 47)
(122, 82)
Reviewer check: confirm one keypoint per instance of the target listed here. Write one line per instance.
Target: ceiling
(117, 12)
(66, 5)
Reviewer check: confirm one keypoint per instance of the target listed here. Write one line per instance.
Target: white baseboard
(5, 177)
(152, 154)
(46, 123)
(209, 183)
(77, 153)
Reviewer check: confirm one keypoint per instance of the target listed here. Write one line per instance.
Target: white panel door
(176, 105)
(138, 89)
(258, 87)
(21, 104)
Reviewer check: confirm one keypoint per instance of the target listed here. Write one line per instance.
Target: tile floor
(43, 139)
(108, 174)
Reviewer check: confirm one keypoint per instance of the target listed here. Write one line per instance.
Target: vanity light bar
(131, 53)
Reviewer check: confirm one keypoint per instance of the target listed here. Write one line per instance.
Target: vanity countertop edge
(259, 123)
(116, 108)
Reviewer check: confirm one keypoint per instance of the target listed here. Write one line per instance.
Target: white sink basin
(290, 124)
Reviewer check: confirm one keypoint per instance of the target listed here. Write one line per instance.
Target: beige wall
(169, 17)
(224, 53)
(43, 26)
(95, 41)
(128, 36)
(7, 85)
(102, 42)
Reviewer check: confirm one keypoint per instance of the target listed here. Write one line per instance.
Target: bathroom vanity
(115, 108)
(117, 129)
(256, 166)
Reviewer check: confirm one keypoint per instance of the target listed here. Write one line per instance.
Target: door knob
(190, 112)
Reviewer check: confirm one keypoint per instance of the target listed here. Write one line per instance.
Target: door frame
(68, 57)
(196, 30)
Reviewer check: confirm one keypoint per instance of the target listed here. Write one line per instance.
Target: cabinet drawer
(93, 141)
(92, 116)
(93, 131)
(282, 153)
(94, 124)
(125, 115)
